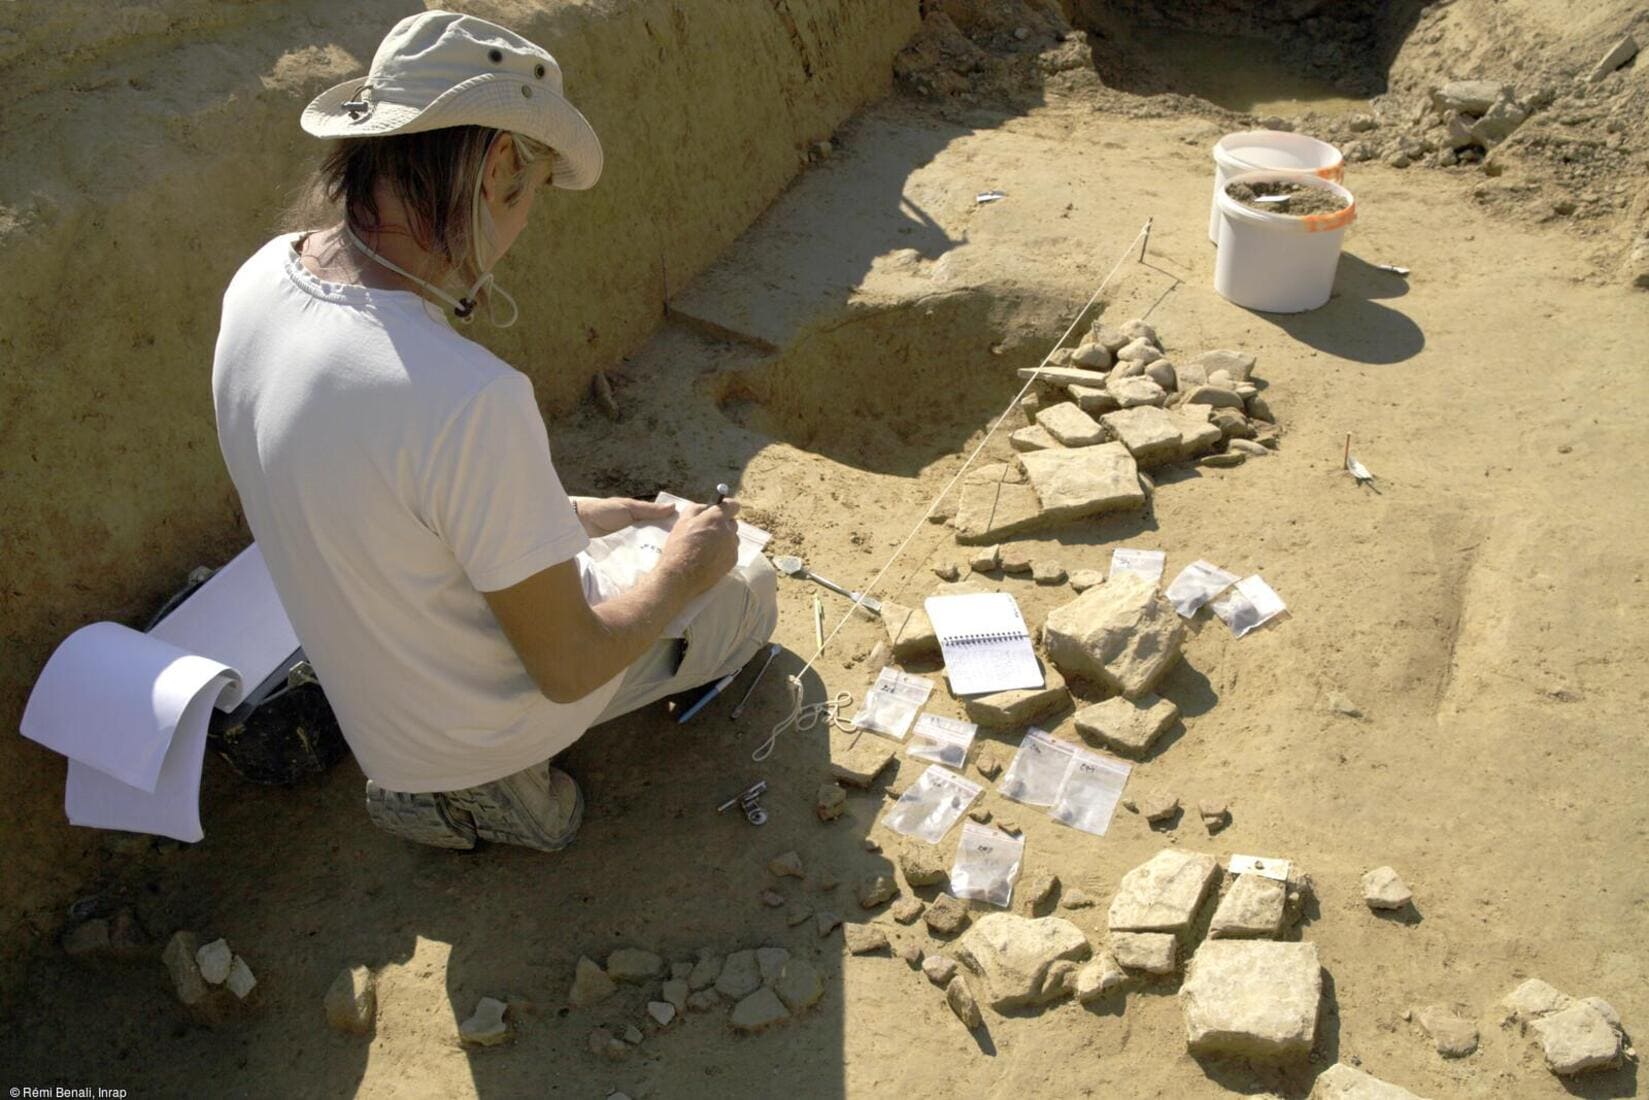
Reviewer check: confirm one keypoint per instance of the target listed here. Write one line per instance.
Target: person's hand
(604, 515)
(703, 545)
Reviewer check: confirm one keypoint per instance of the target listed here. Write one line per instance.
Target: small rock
(1474, 97)
(947, 571)
(1618, 54)
(1343, 1082)
(772, 899)
(1534, 999)
(1248, 447)
(1222, 461)
(1578, 1039)
(787, 864)
(662, 1012)
(1037, 895)
(1260, 409)
(1453, 1035)
(1014, 558)
(486, 1026)
(1139, 351)
(871, 845)
(1097, 978)
(1124, 635)
(946, 916)
(980, 814)
(740, 975)
(961, 1002)
(214, 959)
(912, 954)
(603, 1043)
(864, 939)
(633, 1035)
(983, 561)
(675, 992)
(1237, 365)
(1252, 908)
(704, 1000)
(1163, 374)
(857, 760)
(799, 986)
(759, 1011)
(907, 910)
(830, 802)
(1382, 889)
(770, 962)
(989, 766)
(922, 864)
(909, 631)
(351, 1002)
(940, 969)
(826, 921)
(1152, 952)
(1215, 814)
(631, 964)
(705, 971)
(1008, 825)
(1070, 425)
(1075, 898)
(1032, 437)
(1047, 572)
(873, 890)
(179, 957)
(1232, 424)
(1131, 391)
(1084, 579)
(1014, 956)
(601, 389)
(240, 981)
(1339, 704)
(1092, 356)
(1164, 893)
(1160, 808)
(1253, 998)
(797, 913)
(1128, 726)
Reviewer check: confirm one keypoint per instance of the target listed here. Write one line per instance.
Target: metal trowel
(792, 566)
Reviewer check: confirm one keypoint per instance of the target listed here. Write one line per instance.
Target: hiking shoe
(540, 807)
(422, 818)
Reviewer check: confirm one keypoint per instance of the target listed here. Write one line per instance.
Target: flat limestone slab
(1251, 909)
(1122, 634)
(1254, 998)
(1004, 709)
(1083, 481)
(1013, 955)
(1033, 438)
(1127, 726)
(909, 631)
(1343, 1082)
(1072, 427)
(1164, 893)
(1063, 376)
(1151, 434)
(995, 503)
(858, 758)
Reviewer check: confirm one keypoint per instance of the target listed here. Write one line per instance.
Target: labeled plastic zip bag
(932, 805)
(1092, 789)
(1248, 606)
(987, 864)
(941, 740)
(1038, 769)
(1196, 584)
(1146, 563)
(891, 704)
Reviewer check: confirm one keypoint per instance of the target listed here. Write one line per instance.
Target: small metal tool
(792, 566)
(722, 492)
(749, 800)
(772, 652)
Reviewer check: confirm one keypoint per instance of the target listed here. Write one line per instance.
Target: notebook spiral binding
(987, 639)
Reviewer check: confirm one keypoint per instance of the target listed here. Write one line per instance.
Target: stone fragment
(1037, 894)
(912, 954)
(983, 561)
(1251, 909)
(1014, 558)
(1127, 726)
(1231, 423)
(1608, 1010)
(632, 964)
(1343, 1082)
(240, 981)
(1216, 397)
(1075, 897)
(740, 975)
(486, 1025)
(1498, 123)
(1578, 1039)
(856, 759)
(1152, 952)
(1133, 390)
(826, 921)
(1086, 481)
(1139, 351)
(946, 916)
(786, 864)
(940, 969)
(873, 890)
(1084, 579)
(1160, 807)
(1151, 434)
(663, 1013)
(799, 985)
(674, 991)
(989, 766)
(1223, 461)
(758, 1012)
(830, 802)
(213, 959)
(1123, 635)
(1534, 999)
(1452, 1034)
(1260, 409)
(1006, 709)
(772, 899)
(1034, 437)
(1164, 893)
(1012, 956)
(1215, 814)
(1099, 977)
(88, 939)
(705, 971)
(961, 1001)
(351, 1001)
(1044, 571)
(1238, 366)
(909, 631)
(703, 1000)
(1618, 54)
(1008, 825)
(1092, 356)
(1163, 374)
(922, 864)
(1063, 376)
(770, 963)
(980, 814)
(864, 939)
(1107, 337)
(1474, 97)
(1249, 448)
(633, 1035)
(681, 970)
(1252, 998)
(603, 1043)
(1069, 425)
(1383, 889)
(179, 957)
(1094, 400)
(995, 504)
(797, 913)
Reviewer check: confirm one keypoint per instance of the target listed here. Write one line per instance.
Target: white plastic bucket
(1279, 263)
(1252, 150)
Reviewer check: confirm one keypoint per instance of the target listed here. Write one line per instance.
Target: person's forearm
(628, 624)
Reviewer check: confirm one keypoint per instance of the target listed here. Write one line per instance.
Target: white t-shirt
(391, 472)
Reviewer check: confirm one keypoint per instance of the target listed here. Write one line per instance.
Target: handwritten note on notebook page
(986, 644)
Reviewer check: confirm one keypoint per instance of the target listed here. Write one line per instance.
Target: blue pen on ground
(704, 700)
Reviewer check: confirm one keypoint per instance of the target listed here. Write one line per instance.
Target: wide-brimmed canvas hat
(440, 69)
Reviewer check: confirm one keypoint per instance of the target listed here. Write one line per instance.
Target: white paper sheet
(1147, 563)
(236, 619)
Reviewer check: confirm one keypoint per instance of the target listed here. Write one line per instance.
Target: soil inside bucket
(1281, 197)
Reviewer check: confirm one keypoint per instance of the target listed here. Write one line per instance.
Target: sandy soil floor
(1485, 609)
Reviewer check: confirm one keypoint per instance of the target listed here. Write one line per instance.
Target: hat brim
(497, 100)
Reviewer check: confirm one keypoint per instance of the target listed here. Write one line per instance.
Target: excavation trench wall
(146, 150)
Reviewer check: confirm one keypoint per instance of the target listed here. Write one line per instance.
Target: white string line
(766, 747)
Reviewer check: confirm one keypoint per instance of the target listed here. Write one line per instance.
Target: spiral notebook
(986, 643)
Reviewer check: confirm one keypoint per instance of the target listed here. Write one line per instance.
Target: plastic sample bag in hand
(1038, 769)
(987, 864)
(1248, 606)
(1092, 789)
(892, 702)
(942, 740)
(932, 805)
(1196, 584)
